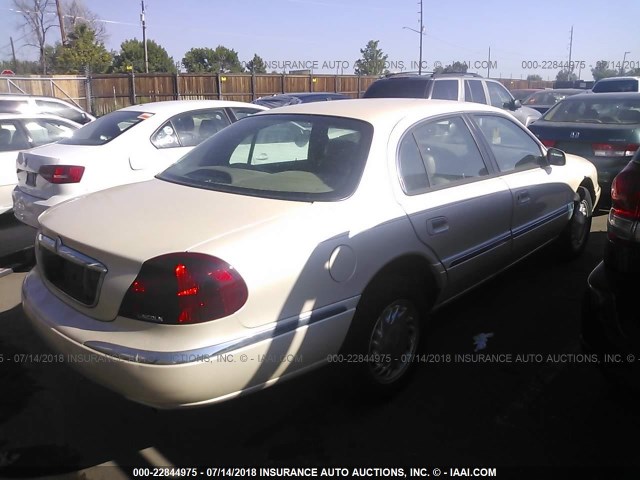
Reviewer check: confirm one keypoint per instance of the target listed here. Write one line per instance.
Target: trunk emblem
(574, 135)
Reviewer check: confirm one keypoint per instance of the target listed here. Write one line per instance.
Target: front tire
(576, 234)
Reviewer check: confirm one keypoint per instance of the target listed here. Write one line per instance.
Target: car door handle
(437, 225)
(522, 197)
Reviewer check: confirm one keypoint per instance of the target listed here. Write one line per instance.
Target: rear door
(542, 201)
(458, 207)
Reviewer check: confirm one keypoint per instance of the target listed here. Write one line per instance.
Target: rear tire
(385, 335)
(575, 236)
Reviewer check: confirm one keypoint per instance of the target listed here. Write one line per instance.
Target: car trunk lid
(124, 226)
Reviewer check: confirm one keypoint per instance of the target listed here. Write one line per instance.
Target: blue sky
(330, 33)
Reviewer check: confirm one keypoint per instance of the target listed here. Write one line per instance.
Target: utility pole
(421, 35)
(61, 20)
(13, 54)
(144, 39)
(489, 64)
(570, 48)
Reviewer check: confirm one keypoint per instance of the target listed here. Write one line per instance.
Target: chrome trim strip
(57, 247)
(485, 247)
(564, 211)
(207, 353)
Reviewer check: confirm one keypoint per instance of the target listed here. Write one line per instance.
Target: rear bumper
(175, 379)
(28, 208)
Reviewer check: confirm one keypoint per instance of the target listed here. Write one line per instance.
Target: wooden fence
(110, 92)
(102, 94)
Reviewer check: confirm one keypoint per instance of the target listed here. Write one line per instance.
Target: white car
(36, 104)
(129, 145)
(21, 132)
(259, 255)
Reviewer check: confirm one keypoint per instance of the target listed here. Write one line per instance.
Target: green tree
(132, 54)
(76, 13)
(256, 64)
(220, 60)
(566, 76)
(373, 61)
(602, 70)
(82, 51)
(456, 67)
(534, 77)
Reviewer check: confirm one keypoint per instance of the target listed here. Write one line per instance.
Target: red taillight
(61, 173)
(549, 143)
(625, 193)
(184, 288)
(614, 149)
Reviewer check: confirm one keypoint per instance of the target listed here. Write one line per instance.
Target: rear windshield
(398, 88)
(106, 128)
(621, 85)
(587, 109)
(291, 157)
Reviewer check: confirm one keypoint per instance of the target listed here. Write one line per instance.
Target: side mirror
(513, 104)
(555, 157)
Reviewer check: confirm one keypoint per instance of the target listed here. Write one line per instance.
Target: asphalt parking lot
(538, 403)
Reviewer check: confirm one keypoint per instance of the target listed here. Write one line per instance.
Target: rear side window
(190, 128)
(43, 131)
(413, 175)
(61, 110)
(13, 106)
(445, 90)
(474, 92)
(12, 137)
(106, 128)
(449, 152)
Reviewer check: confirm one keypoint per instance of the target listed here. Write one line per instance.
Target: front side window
(445, 90)
(512, 147)
(498, 95)
(292, 157)
(449, 152)
(106, 128)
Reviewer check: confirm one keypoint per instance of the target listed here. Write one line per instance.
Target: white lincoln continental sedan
(294, 236)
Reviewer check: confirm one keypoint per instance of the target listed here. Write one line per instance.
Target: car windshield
(106, 128)
(587, 109)
(292, 157)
